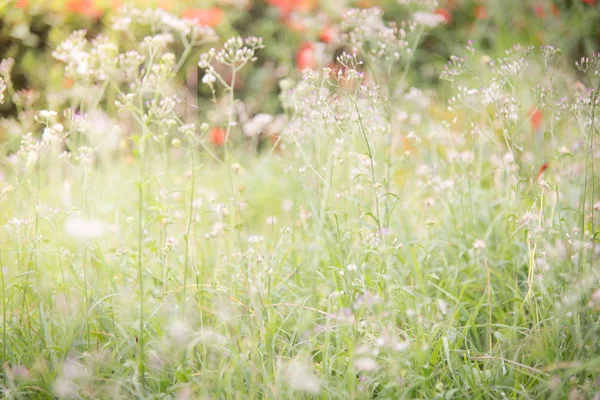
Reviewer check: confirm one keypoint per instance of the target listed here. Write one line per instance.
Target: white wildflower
(257, 124)
(429, 20)
(85, 229)
(479, 244)
(365, 364)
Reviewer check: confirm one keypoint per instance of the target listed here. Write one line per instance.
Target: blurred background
(298, 34)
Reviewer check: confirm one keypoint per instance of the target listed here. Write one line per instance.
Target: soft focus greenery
(185, 214)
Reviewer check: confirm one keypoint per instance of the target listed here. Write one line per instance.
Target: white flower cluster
(429, 20)
(381, 41)
(236, 53)
(161, 22)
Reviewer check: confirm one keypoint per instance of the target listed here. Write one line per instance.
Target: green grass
(342, 263)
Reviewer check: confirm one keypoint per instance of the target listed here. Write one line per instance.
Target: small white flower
(85, 229)
(365, 364)
(430, 20)
(46, 114)
(351, 267)
(479, 244)
(253, 239)
(287, 205)
(257, 125)
(209, 79)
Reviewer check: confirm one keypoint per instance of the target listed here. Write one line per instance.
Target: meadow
(187, 215)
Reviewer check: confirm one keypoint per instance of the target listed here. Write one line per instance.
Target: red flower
(306, 57)
(445, 14)
(590, 2)
(288, 6)
(543, 169)
(329, 34)
(540, 10)
(535, 117)
(217, 136)
(84, 7)
(204, 16)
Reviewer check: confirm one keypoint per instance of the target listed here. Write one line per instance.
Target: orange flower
(22, 3)
(306, 57)
(217, 136)
(68, 83)
(85, 8)
(481, 12)
(204, 16)
(445, 14)
(535, 116)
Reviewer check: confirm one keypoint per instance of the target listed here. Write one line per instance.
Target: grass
(341, 263)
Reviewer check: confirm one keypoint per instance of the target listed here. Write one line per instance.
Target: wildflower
(412, 137)
(53, 134)
(428, 19)
(207, 17)
(2, 89)
(169, 243)
(235, 52)
(85, 8)
(351, 267)
(257, 124)
(6, 66)
(535, 117)
(254, 239)
(287, 205)
(217, 136)
(481, 12)
(306, 57)
(209, 79)
(445, 14)
(85, 229)
(479, 244)
(540, 173)
(365, 364)
(46, 115)
(539, 10)
(329, 34)
(286, 7)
